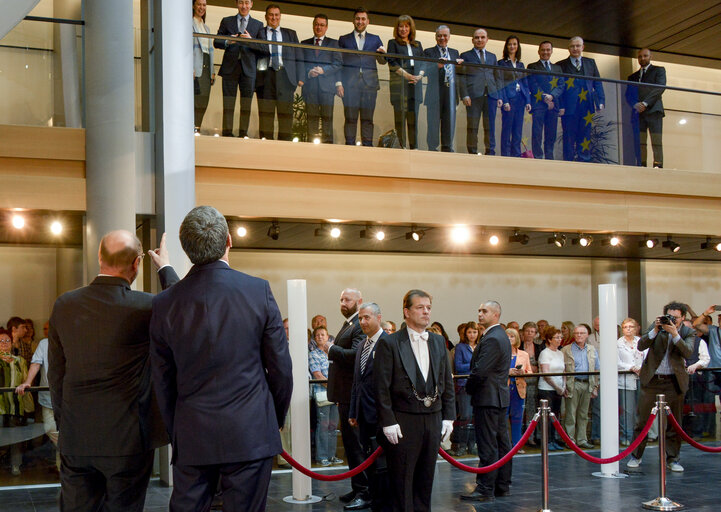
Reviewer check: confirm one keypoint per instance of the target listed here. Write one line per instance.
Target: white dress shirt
(628, 357)
(360, 39)
(420, 350)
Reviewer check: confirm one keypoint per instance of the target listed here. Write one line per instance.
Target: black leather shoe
(357, 504)
(477, 496)
(502, 494)
(348, 497)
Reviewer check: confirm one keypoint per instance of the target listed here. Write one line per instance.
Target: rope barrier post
(662, 502)
(544, 410)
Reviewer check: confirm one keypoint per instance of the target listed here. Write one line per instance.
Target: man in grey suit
(648, 105)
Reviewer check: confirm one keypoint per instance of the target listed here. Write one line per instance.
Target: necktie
(243, 25)
(423, 336)
(578, 64)
(274, 56)
(483, 56)
(364, 355)
(640, 76)
(448, 68)
(547, 65)
(317, 41)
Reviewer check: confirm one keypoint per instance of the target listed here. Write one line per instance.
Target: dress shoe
(476, 495)
(348, 497)
(586, 445)
(502, 494)
(358, 503)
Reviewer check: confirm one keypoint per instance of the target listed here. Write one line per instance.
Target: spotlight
(558, 239)
(415, 234)
(521, 238)
(493, 240)
(274, 230)
(296, 139)
(583, 240)
(671, 245)
(358, 143)
(241, 231)
(218, 135)
(708, 244)
(613, 241)
(322, 230)
(18, 221)
(682, 121)
(376, 233)
(335, 232)
(56, 227)
(460, 234)
(648, 242)
(316, 141)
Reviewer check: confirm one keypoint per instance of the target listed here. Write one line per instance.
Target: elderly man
(580, 357)
(442, 93)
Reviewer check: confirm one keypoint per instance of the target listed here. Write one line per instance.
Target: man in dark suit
(363, 403)
(669, 343)
(442, 92)
(322, 71)
(480, 93)
(359, 85)
(581, 99)
(99, 378)
(280, 71)
(415, 402)
(488, 387)
(222, 373)
(238, 66)
(648, 107)
(342, 355)
(546, 91)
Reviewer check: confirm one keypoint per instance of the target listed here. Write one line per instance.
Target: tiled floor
(572, 488)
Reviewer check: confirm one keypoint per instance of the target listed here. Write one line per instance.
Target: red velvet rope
(596, 460)
(679, 430)
(332, 478)
(500, 462)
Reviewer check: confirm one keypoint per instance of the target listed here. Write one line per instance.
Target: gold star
(582, 95)
(554, 82)
(539, 95)
(588, 118)
(569, 82)
(585, 144)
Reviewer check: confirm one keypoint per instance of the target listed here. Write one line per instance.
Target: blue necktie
(274, 56)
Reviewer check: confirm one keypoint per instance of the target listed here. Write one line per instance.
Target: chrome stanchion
(662, 502)
(544, 411)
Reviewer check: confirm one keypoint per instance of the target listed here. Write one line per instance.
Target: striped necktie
(364, 355)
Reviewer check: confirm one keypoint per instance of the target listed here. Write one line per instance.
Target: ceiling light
(415, 234)
(335, 232)
(613, 241)
(521, 238)
(370, 232)
(682, 121)
(493, 240)
(18, 221)
(583, 240)
(56, 227)
(296, 139)
(241, 231)
(460, 234)
(648, 242)
(671, 245)
(274, 230)
(708, 244)
(558, 239)
(316, 141)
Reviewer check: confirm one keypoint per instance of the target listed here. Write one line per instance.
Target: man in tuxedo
(359, 83)
(669, 343)
(238, 66)
(342, 355)
(280, 71)
(99, 378)
(363, 403)
(442, 91)
(415, 401)
(488, 387)
(546, 91)
(648, 107)
(322, 71)
(222, 373)
(479, 88)
(581, 99)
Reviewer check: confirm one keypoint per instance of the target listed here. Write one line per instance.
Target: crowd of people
(476, 78)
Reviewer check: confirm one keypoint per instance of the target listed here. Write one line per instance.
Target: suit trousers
(412, 462)
(544, 128)
(202, 91)
(110, 484)
(482, 107)
(319, 108)
(275, 95)
(647, 400)
(576, 137)
(244, 486)
(512, 127)
(359, 99)
(231, 86)
(378, 471)
(492, 440)
(441, 112)
(353, 449)
(652, 122)
(576, 421)
(515, 414)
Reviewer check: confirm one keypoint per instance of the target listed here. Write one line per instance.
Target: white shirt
(703, 356)
(276, 48)
(664, 367)
(360, 39)
(554, 360)
(202, 28)
(420, 350)
(41, 357)
(410, 53)
(628, 357)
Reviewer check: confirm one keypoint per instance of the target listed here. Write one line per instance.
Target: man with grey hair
(222, 373)
(442, 92)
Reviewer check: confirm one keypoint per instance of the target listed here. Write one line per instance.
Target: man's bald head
(118, 251)
(350, 299)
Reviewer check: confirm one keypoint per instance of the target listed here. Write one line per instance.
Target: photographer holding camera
(668, 342)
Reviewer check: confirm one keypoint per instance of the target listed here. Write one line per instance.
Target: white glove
(446, 429)
(393, 433)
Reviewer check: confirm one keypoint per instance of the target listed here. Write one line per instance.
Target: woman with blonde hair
(629, 358)
(520, 365)
(567, 329)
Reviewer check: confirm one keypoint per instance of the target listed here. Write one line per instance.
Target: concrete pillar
(110, 122)
(610, 272)
(66, 65)
(68, 269)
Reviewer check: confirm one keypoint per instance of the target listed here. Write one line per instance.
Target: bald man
(99, 378)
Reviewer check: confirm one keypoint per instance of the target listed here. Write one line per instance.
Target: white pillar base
(599, 474)
(311, 499)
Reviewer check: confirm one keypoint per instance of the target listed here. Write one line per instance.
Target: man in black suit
(546, 91)
(222, 373)
(342, 355)
(442, 92)
(363, 403)
(488, 387)
(280, 71)
(99, 378)
(322, 71)
(415, 402)
(648, 106)
(238, 67)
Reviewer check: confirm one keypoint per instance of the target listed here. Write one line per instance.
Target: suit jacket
(221, 366)
(570, 99)
(399, 85)
(341, 357)
(331, 62)
(570, 362)
(677, 355)
(524, 359)
(292, 57)
(99, 369)
(363, 393)
(544, 84)
(354, 63)
(394, 373)
(651, 96)
(198, 57)
(437, 76)
(488, 382)
(238, 59)
(474, 80)
(512, 77)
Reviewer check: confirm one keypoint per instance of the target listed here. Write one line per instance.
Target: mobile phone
(519, 366)
(717, 307)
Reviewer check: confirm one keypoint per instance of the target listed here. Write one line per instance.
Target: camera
(666, 320)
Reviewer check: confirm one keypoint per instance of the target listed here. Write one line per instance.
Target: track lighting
(558, 239)
(613, 241)
(648, 242)
(671, 245)
(370, 232)
(521, 238)
(708, 244)
(415, 234)
(274, 230)
(582, 240)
